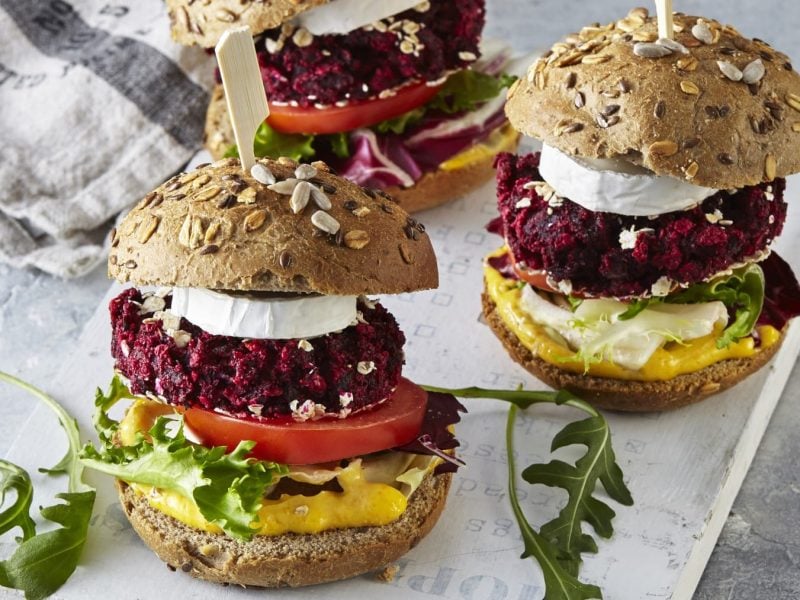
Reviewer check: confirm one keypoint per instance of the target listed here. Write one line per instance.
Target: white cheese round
(616, 185)
(264, 318)
(344, 16)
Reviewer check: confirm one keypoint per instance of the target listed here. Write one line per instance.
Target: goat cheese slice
(344, 16)
(616, 185)
(276, 318)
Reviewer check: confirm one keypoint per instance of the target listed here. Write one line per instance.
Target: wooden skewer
(664, 12)
(244, 89)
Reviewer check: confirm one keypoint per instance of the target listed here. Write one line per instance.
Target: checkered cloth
(98, 107)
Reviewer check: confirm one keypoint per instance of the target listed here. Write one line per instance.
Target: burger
(272, 439)
(394, 95)
(636, 269)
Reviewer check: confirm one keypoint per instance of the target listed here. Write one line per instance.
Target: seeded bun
(624, 395)
(435, 188)
(203, 23)
(597, 94)
(219, 228)
(288, 560)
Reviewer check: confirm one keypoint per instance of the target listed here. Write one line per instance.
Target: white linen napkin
(99, 106)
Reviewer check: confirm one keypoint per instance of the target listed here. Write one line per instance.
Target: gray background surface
(758, 555)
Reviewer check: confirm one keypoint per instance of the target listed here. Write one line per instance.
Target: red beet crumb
(244, 376)
(361, 64)
(581, 246)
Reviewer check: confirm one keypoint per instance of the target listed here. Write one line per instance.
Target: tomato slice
(537, 279)
(394, 422)
(337, 119)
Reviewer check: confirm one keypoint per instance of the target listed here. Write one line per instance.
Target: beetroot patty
(583, 247)
(246, 377)
(362, 63)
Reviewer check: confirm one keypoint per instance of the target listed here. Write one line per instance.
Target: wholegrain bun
(626, 395)
(435, 188)
(218, 228)
(203, 23)
(594, 96)
(289, 560)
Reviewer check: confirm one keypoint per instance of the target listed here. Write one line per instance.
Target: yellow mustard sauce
(501, 139)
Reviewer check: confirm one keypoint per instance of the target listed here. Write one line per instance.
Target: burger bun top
(219, 228)
(718, 110)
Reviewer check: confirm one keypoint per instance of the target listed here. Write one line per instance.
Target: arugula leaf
(560, 584)
(558, 546)
(227, 488)
(269, 142)
(42, 563)
(580, 481)
(18, 514)
(742, 292)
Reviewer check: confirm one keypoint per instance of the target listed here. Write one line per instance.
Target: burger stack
(637, 269)
(393, 95)
(250, 323)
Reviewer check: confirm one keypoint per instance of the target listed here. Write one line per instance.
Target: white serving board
(684, 468)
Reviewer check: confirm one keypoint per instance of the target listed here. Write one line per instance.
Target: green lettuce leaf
(636, 307)
(340, 144)
(226, 487)
(42, 563)
(466, 90)
(742, 292)
(463, 91)
(271, 143)
(398, 125)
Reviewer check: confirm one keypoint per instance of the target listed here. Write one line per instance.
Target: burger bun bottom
(626, 395)
(288, 560)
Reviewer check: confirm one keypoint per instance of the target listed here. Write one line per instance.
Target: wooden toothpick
(244, 89)
(664, 12)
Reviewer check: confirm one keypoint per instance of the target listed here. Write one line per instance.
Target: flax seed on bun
(219, 228)
(289, 560)
(202, 23)
(615, 91)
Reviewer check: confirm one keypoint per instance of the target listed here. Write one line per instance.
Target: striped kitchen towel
(97, 107)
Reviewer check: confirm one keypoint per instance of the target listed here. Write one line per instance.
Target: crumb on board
(388, 574)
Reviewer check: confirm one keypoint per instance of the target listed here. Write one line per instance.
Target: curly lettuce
(228, 488)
